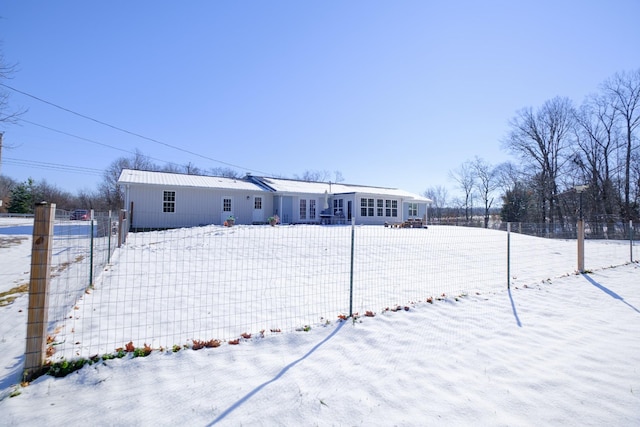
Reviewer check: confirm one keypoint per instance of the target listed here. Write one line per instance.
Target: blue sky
(393, 94)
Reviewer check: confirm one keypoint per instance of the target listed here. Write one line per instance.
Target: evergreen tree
(22, 198)
(515, 202)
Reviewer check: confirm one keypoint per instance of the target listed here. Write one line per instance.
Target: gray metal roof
(277, 185)
(280, 185)
(129, 176)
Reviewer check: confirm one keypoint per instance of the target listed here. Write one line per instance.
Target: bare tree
(635, 178)
(6, 186)
(597, 140)
(466, 178)
(624, 92)
(7, 70)
(225, 172)
(541, 139)
(90, 200)
(486, 184)
(508, 175)
(439, 196)
(109, 188)
(171, 168)
(7, 115)
(191, 169)
(314, 176)
(43, 191)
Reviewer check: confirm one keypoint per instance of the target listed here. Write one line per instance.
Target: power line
(92, 141)
(129, 132)
(52, 166)
(74, 136)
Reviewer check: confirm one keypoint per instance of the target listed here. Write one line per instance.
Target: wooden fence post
(37, 316)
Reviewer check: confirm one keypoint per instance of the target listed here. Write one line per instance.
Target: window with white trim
(257, 203)
(413, 209)
(226, 204)
(391, 208)
(380, 207)
(312, 209)
(303, 209)
(169, 201)
(367, 207)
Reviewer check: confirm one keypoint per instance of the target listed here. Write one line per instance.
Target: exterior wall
(193, 206)
(309, 200)
(422, 210)
(376, 218)
(343, 207)
(283, 207)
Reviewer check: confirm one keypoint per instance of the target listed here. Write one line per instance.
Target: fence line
(76, 252)
(181, 286)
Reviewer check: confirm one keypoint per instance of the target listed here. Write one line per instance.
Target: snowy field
(558, 348)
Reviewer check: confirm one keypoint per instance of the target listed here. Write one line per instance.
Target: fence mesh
(177, 287)
(80, 251)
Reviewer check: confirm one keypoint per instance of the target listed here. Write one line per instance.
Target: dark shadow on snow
(284, 370)
(515, 312)
(11, 376)
(607, 291)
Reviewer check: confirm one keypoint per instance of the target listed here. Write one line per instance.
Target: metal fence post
(353, 228)
(91, 252)
(508, 255)
(110, 234)
(630, 240)
(581, 245)
(37, 316)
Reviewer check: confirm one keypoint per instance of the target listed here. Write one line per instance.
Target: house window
(169, 201)
(380, 207)
(303, 209)
(413, 209)
(226, 204)
(366, 207)
(312, 209)
(391, 208)
(257, 203)
(337, 206)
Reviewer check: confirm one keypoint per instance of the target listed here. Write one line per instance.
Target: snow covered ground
(558, 348)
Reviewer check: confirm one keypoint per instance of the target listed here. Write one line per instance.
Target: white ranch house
(158, 200)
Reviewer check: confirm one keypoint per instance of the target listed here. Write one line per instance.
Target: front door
(227, 208)
(258, 210)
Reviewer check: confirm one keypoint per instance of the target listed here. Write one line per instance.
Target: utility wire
(92, 141)
(74, 136)
(128, 132)
(52, 166)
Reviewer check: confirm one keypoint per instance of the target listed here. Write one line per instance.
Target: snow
(557, 348)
